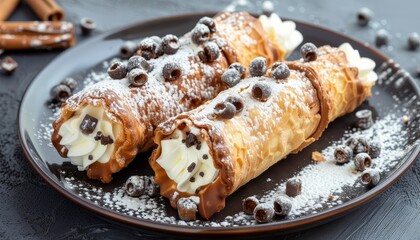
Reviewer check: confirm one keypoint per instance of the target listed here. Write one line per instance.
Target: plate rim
(159, 227)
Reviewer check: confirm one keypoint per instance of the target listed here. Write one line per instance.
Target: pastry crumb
(317, 156)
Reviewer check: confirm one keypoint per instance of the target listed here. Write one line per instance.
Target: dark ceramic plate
(395, 91)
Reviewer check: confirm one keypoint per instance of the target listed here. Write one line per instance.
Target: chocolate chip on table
(364, 119)
(413, 41)
(280, 71)
(261, 91)
(237, 102)
(61, 93)
(364, 16)
(352, 143)
(137, 62)
(170, 44)
(258, 67)
(9, 65)
(70, 82)
(374, 149)
(209, 22)
(282, 206)
(152, 188)
(88, 124)
(231, 77)
(171, 71)
(87, 25)
(362, 146)
(150, 48)
(370, 177)
(191, 140)
(225, 110)
(381, 38)
(309, 52)
(200, 33)
(210, 52)
(293, 187)
(362, 161)
(239, 67)
(187, 209)
(135, 186)
(137, 77)
(128, 49)
(263, 213)
(249, 204)
(343, 154)
(117, 70)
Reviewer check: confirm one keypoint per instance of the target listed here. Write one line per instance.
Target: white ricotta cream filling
(284, 33)
(189, 167)
(84, 149)
(365, 65)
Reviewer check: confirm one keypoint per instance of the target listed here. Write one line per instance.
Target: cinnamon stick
(6, 8)
(46, 10)
(36, 35)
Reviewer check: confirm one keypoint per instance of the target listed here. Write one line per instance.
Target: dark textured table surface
(30, 209)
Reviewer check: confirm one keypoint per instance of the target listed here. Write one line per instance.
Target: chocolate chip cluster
(202, 35)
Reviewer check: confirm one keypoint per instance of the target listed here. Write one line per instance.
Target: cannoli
(213, 150)
(103, 127)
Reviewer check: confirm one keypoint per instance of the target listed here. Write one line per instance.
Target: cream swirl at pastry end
(87, 140)
(365, 65)
(186, 160)
(284, 33)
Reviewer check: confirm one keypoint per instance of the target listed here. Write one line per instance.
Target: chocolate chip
(198, 147)
(209, 22)
(362, 161)
(343, 154)
(231, 77)
(150, 48)
(210, 52)
(282, 206)
(258, 67)
(88, 124)
(90, 157)
(61, 93)
(137, 62)
(309, 52)
(152, 188)
(364, 119)
(352, 143)
(128, 49)
(374, 149)
(364, 16)
(293, 187)
(192, 179)
(87, 25)
(261, 91)
(237, 102)
(267, 8)
(362, 146)
(280, 71)
(137, 77)
(201, 174)
(170, 44)
(191, 140)
(105, 140)
(225, 110)
(205, 156)
(263, 213)
(135, 186)
(249, 204)
(187, 209)
(413, 41)
(117, 70)
(239, 67)
(70, 82)
(191, 167)
(381, 38)
(200, 34)
(9, 65)
(171, 71)
(370, 177)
